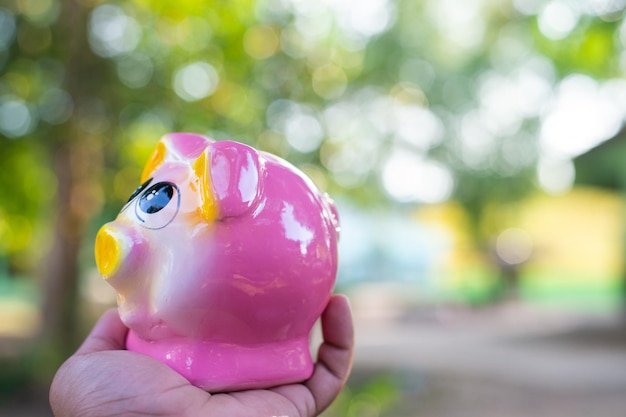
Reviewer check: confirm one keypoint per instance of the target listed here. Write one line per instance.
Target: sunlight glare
(581, 118)
(408, 177)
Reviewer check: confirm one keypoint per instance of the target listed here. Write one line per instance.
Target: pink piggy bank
(222, 261)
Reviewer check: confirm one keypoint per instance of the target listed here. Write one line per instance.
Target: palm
(101, 379)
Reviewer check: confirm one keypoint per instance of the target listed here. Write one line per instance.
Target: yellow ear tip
(107, 250)
(207, 207)
(156, 159)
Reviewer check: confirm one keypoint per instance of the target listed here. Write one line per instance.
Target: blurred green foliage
(126, 72)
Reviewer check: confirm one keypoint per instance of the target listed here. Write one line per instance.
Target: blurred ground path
(506, 361)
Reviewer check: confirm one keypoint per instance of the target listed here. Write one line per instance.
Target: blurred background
(476, 150)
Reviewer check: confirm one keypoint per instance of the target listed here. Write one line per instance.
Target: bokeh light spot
(514, 246)
(367, 19)
(408, 177)
(112, 32)
(329, 81)
(298, 123)
(34, 40)
(16, 118)
(261, 41)
(135, 70)
(195, 81)
(304, 132)
(7, 28)
(459, 22)
(56, 106)
(41, 12)
(555, 175)
(583, 116)
(557, 19)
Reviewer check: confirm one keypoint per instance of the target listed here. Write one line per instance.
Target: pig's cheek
(134, 288)
(177, 290)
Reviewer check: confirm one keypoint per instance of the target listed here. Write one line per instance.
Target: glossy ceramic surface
(222, 260)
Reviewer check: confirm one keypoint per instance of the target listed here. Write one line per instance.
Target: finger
(109, 333)
(335, 354)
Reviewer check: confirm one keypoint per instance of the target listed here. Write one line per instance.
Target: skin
(102, 379)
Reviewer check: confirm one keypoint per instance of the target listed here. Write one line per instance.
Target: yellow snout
(108, 252)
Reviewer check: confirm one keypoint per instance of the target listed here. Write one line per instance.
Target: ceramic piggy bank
(222, 261)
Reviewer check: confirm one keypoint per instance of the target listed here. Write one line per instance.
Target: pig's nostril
(108, 254)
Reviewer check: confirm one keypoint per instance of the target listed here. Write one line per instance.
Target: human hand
(103, 379)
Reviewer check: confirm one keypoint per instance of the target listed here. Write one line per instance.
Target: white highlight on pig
(294, 230)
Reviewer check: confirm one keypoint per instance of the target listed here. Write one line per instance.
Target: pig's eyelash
(135, 193)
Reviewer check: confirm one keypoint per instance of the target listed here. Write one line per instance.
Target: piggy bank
(222, 260)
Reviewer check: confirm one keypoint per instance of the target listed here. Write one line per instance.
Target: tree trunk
(61, 274)
(75, 150)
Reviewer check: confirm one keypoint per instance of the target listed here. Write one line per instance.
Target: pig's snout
(113, 249)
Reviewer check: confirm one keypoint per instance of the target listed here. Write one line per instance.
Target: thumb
(109, 333)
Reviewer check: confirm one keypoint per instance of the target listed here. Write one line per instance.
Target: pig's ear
(230, 175)
(156, 159)
(175, 147)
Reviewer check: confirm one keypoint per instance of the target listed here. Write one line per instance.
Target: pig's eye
(158, 205)
(156, 197)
